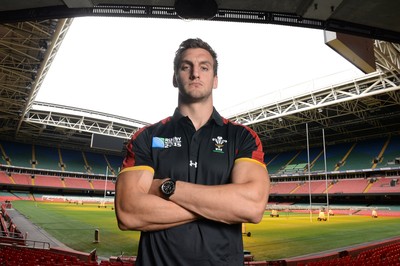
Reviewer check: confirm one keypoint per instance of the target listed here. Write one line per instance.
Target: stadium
(333, 154)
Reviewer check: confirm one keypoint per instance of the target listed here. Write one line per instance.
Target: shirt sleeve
(250, 147)
(138, 152)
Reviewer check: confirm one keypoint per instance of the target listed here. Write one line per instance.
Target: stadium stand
(97, 162)
(302, 157)
(19, 154)
(283, 187)
(334, 157)
(15, 255)
(295, 168)
(381, 254)
(276, 162)
(22, 195)
(363, 154)
(47, 157)
(73, 161)
(5, 178)
(48, 181)
(114, 163)
(391, 156)
(360, 155)
(385, 185)
(15, 249)
(101, 184)
(22, 179)
(317, 187)
(71, 182)
(7, 196)
(349, 186)
(342, 186)
(73, 171)
(339, 157)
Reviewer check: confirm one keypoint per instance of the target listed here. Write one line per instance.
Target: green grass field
(274, 238)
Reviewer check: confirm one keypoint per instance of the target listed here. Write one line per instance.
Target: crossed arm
(139, 205)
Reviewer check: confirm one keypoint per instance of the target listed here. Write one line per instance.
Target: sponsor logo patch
(164, 143)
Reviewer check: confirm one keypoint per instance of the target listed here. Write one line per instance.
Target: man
(188, 182)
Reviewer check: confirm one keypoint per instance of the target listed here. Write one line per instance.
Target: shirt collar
(215, 116)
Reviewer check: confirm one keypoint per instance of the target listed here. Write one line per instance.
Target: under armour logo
(193, 164)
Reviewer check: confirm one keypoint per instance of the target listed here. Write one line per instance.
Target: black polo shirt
(173, 148)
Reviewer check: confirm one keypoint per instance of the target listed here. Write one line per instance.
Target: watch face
(168, 187)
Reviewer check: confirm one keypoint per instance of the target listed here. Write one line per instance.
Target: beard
(196, 95)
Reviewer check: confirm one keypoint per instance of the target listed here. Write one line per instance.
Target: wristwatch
(168, 188)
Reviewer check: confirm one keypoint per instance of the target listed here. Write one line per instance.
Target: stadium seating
(47, 158)
(15, 254)
(342, 157)
(360, 156)
(363, 154)
(97, 162)
(294, 168)
(350, 186)
(22, 179)
(318, 187)
(73, 161)
(100, 184)
(342, 186)
(391, 153)
(19, 154)
(71, 182)
(22, 195)
(283, 187)
(301, 159)
(276, 162)
(385, 185)
(384, 255)
(7, 196)
(5, 178)
(334, 154)
(48, 181)
(11, 255)
(115, 163)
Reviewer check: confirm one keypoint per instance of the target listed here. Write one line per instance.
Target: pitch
(289, 235)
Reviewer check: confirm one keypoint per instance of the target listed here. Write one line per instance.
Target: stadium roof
(376, 19)
(32, 31)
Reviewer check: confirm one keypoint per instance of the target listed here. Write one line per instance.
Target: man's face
(195, 75)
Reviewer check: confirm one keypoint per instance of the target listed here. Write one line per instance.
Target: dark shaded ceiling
(369, 18)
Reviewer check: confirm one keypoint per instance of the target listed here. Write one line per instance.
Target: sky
(123, 66)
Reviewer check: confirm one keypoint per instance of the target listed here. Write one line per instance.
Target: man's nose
(195, 73)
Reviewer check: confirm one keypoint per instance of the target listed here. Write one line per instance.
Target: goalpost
(103, 201)
(309, 172)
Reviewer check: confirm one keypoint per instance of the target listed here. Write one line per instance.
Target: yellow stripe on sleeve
(136, 168)
(249, 160)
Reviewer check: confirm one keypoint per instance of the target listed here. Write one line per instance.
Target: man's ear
(174, 82)
(215, 84)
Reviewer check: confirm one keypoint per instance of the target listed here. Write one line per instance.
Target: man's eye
(204, 68)
(185, 68)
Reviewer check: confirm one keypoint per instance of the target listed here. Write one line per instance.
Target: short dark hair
(194, 43)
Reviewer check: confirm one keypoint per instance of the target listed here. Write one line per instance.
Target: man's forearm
(230, 203)
(138, 209)
(150, 213)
